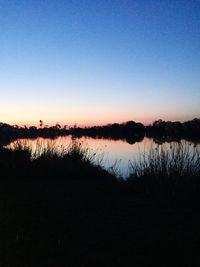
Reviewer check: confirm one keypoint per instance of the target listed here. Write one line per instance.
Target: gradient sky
(94, 62)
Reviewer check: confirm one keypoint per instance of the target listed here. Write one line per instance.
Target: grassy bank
(66, 210)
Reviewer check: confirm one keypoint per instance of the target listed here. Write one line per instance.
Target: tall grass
(177, 160)
(161, 171)
(49, 160)
(75, 151)
(167, 170)
(41, 147)
(78, 151)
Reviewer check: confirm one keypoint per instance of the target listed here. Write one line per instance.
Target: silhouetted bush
(167, 172)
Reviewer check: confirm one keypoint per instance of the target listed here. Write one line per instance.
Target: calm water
(110, 153)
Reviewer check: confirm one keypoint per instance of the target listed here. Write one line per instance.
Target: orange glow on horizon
(29, 114)
(87, 122)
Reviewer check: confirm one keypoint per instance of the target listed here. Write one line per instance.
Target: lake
(113, 155)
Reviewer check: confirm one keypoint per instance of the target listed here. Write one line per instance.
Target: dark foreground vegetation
(130, 131)
(65, 210)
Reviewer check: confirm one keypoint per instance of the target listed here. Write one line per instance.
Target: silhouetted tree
(41, 123)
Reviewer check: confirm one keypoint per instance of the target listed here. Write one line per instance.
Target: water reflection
(112, 154)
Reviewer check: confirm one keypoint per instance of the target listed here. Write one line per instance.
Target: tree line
(130, 131)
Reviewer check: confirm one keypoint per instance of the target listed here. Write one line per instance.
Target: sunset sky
(99, 61)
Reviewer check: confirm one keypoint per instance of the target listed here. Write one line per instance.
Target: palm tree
(41, 123)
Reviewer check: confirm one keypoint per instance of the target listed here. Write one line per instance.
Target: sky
(94, 62)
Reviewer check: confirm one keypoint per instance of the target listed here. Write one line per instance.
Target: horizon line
(82, 125)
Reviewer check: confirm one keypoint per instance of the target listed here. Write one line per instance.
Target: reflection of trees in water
(129, 139)
(5, 141)
(167, 131)
(161, 140)
(134, 139)
(131, 132)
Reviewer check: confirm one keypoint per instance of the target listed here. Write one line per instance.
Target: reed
(167, 170)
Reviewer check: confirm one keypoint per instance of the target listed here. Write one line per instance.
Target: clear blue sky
(94, 62)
